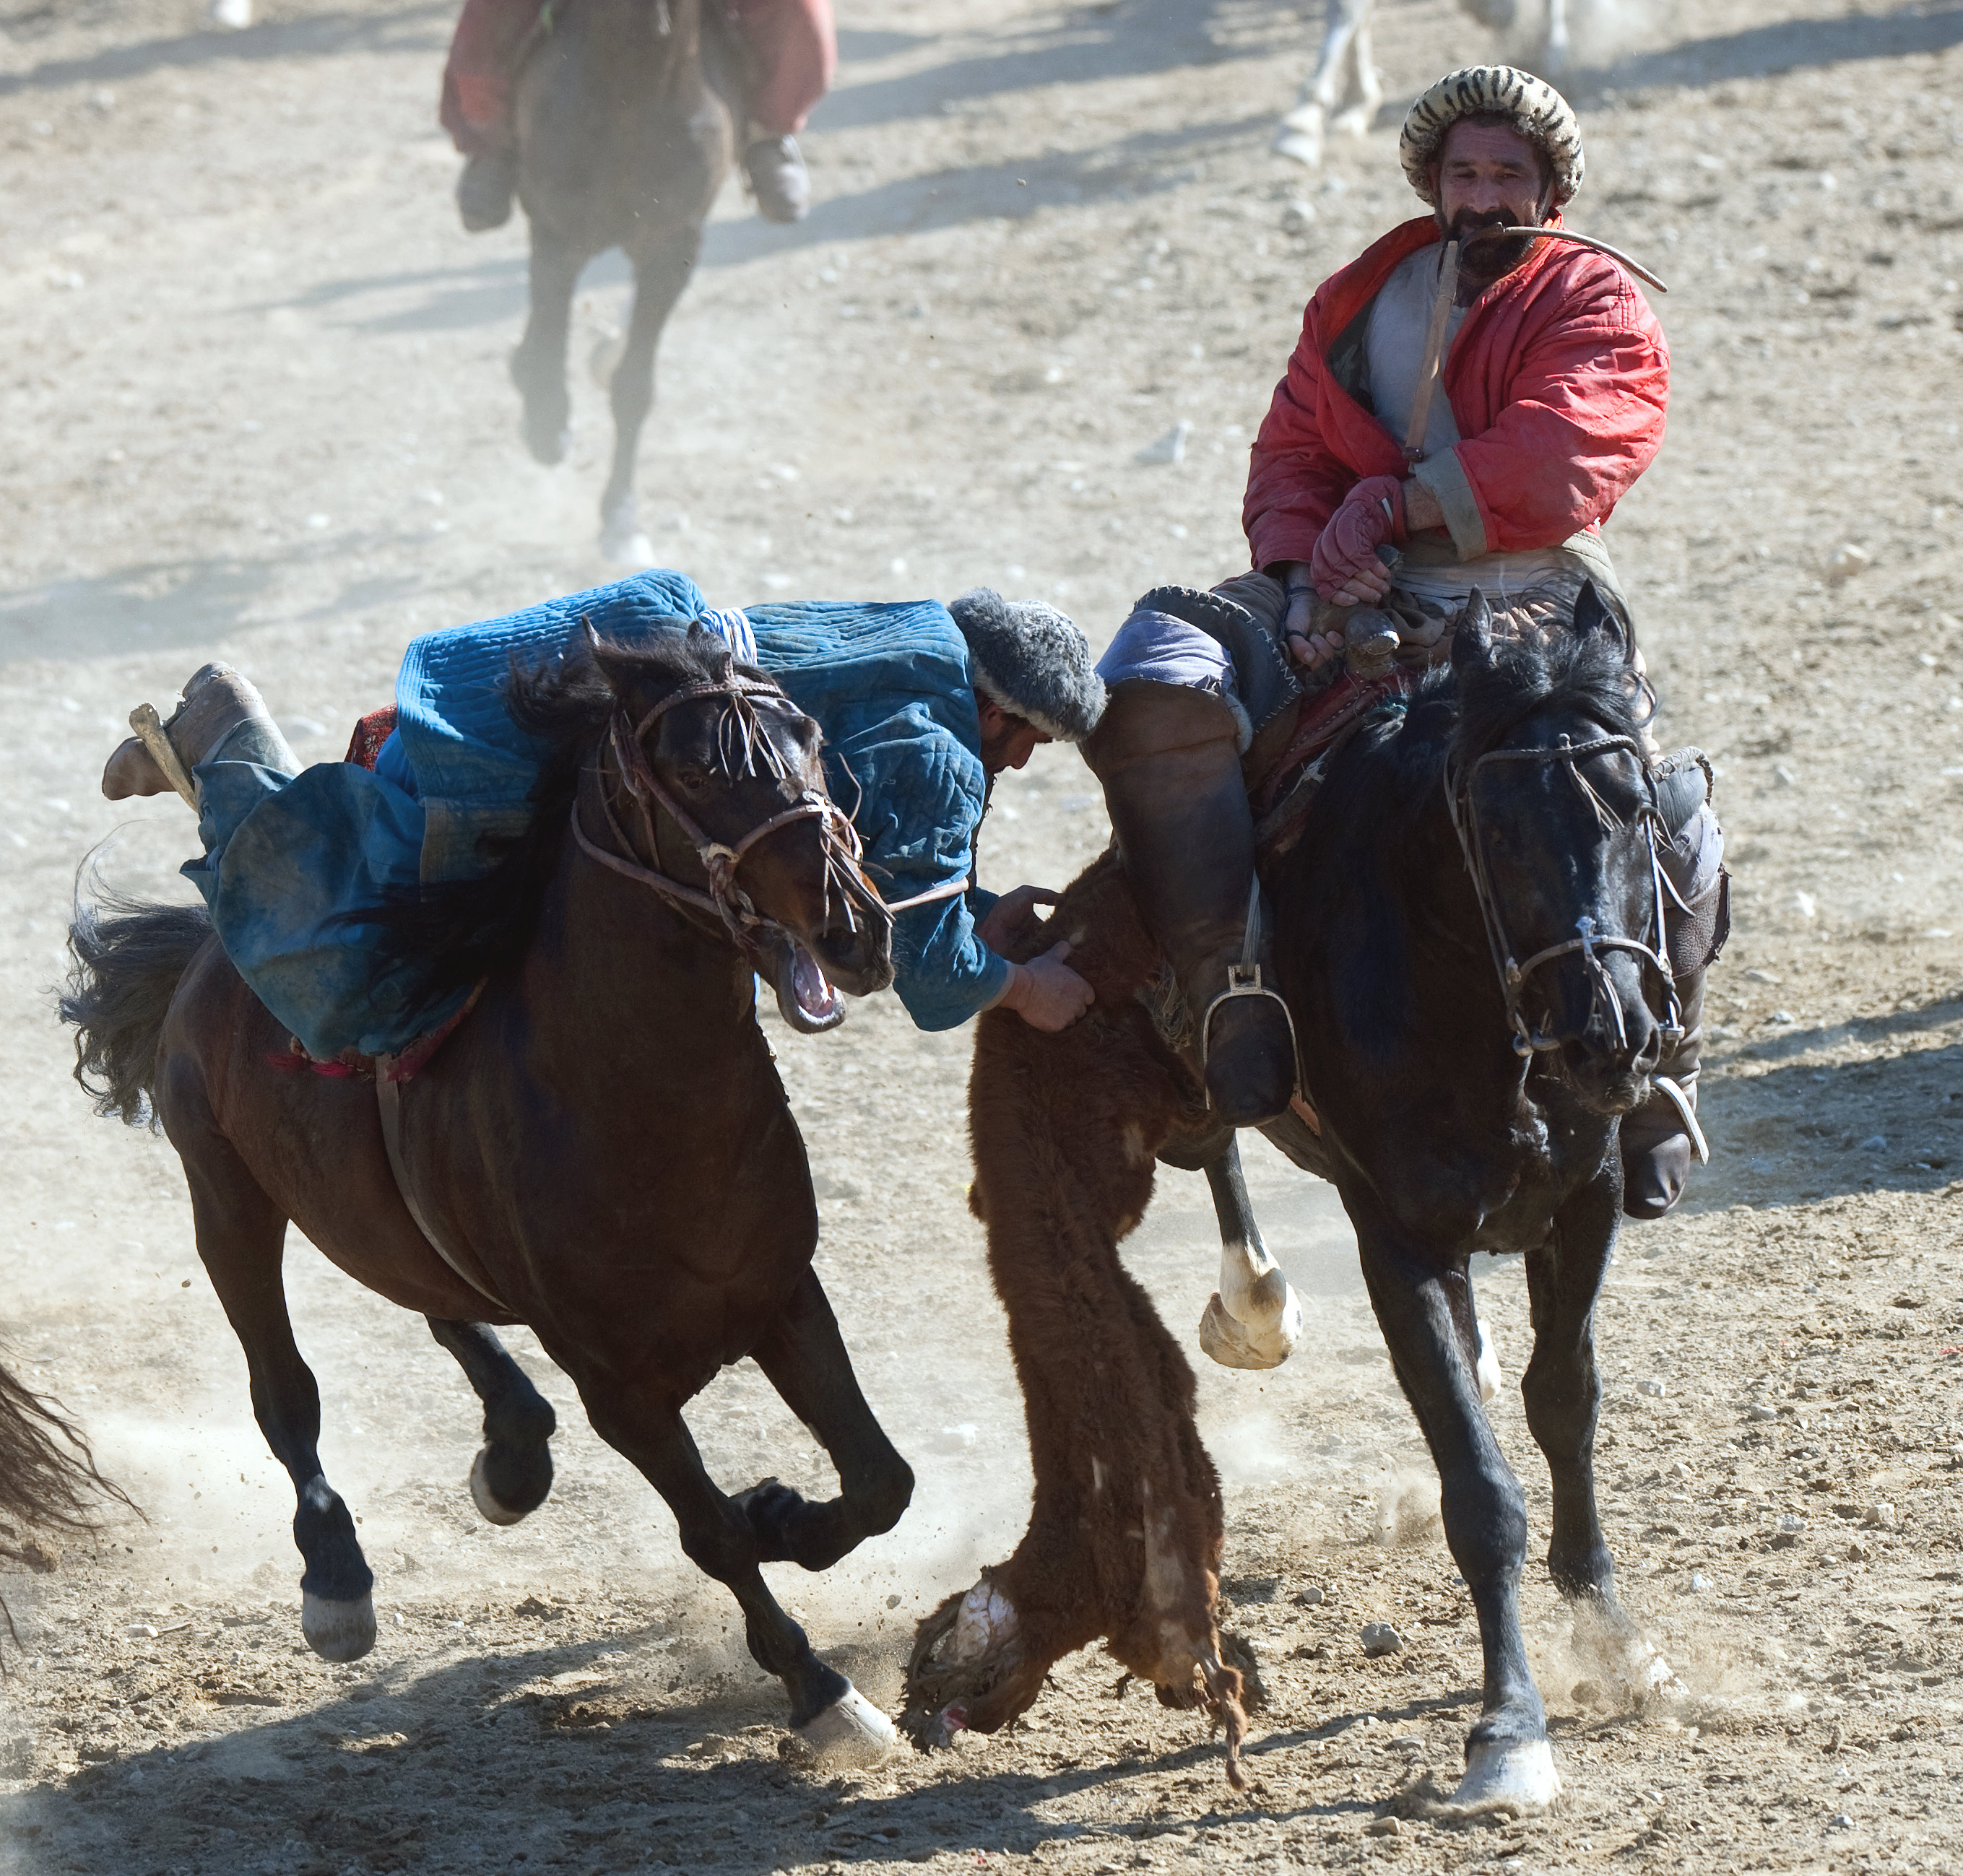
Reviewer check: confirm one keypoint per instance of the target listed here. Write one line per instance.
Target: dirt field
(254, 402)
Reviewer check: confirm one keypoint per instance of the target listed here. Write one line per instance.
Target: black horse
(1468, 935)
(602, 1150)
(1479, 1001)
(623, 141)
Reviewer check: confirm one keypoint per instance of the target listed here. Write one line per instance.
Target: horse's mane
(1456, 715)
(470, 927)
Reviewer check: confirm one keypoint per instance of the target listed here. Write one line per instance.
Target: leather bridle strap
(1588, 942)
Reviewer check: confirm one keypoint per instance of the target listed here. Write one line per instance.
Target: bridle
(1588, 942)
(725, 900)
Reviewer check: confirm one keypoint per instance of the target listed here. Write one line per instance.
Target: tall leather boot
(222, 715)
(1661, 1139)
(1167, 757)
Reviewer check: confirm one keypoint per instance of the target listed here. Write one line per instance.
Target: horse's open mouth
(806, 999)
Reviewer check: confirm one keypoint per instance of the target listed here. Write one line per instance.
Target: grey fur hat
(1033, 661)
(1539, 112)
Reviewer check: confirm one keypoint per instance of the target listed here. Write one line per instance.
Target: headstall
(1588, 942)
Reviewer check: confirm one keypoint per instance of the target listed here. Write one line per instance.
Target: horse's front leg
(1555, 60)
(1254, 1319)
(1562, 1392)
(1302, 131)
(513, 1471)
(241, 1240)
(804, 1356)
(660, 275)
(538, 365)
(829, 1714)
(1423, 1303)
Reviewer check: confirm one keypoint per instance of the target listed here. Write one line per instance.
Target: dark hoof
(548, 441)
(1250, 1062)
(484, 192)
(771, 1509)
(508, 1484)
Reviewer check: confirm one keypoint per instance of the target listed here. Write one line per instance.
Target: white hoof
(480, 1492)
(1302, 146)
(1356, 121)
(1236, 1344)
(1488, 1370)
(338, 1631)
(851, 1731)
(628, 550)
(1519, 1778)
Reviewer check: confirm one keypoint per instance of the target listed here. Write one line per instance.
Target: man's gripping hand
(998, 931)
(1345, 567)
(1046, 992)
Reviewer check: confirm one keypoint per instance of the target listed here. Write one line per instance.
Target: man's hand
(1345, 567)
(1311, 649)
(1046, 993)
(1008, 912)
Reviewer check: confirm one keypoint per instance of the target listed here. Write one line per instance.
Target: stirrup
(1244, 979)
(1672, 1094)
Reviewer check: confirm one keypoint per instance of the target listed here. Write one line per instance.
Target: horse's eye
(692, 778)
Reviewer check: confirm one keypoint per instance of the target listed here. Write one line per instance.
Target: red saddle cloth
(370, 733)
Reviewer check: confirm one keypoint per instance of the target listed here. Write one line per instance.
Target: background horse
(1346, 75)
(602, 1150)
(1447, 1125)
(623, 143)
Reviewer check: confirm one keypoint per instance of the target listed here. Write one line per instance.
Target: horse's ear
(1591, 614)
(1472, 637)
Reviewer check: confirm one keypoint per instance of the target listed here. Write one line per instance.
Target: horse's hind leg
(660, 275)
(513, 1471)
(241, 1238)
(538, 365)
(1302, 131)
(828, 1712)
(1253, 1320)
(1427, 1316)
(804, 1357)
(1562, 1392)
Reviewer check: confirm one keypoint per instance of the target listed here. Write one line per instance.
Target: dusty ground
(254, 405)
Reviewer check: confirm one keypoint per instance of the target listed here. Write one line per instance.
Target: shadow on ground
(1787, 1126)
(543, 1756)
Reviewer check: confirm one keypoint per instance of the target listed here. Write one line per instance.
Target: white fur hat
(1032, 660)
(1539, 112)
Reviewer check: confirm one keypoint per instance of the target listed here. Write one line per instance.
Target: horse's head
(1555, 809)
(720, 774)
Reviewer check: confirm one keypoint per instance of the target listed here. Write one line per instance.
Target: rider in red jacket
(772, 60)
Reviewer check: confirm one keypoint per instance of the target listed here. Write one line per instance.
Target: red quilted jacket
(1559, 378)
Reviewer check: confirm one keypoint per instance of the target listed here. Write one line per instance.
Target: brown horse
(1125, 1538)
(602, 1150)
(623, 143)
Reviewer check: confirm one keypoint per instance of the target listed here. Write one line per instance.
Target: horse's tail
(128, 957)
(48, 1478)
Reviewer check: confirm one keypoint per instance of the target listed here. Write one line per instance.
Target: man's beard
(1487, 260)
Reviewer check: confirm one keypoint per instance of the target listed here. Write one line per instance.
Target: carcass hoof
(851, 1731)
(1516, 1776)
(1264, 1344)
(488, 1501)
(338, 1631)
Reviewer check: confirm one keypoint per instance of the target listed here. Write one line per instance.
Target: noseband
(1589, 942)
(725, 900)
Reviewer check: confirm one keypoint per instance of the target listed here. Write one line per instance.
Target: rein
(1590, 943)
(724, 900)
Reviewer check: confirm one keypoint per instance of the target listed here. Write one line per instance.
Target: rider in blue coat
(921, 705)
